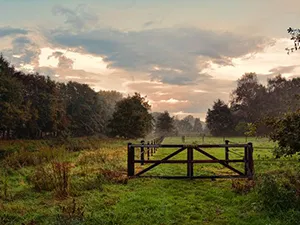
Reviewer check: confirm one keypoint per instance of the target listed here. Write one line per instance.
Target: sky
(182, 55)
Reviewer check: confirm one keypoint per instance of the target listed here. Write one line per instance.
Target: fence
(153, 146)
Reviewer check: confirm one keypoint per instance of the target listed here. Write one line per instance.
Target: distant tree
(219, 119)
(190, 119)
(164, 124)
(131, 118)
(183, 126)
(247, 98)
(197, 126)
(85, 110)
(241, 128)
(109, 100)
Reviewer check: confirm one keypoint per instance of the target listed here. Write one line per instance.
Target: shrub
(24, 157)
(279, 191)
(242, 186)
(53, 178)
(72, 213)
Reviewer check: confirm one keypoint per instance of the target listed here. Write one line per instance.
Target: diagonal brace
(223, 163)
(157, 163)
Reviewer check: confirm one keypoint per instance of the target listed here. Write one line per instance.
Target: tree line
(253, 105)
(33, 106)
(254, 109)
(167, 125)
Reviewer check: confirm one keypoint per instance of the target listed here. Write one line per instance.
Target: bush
(72, 213)
(279, 191)
(24, 157)
(53, 178)
(242, 186)
(286, 131)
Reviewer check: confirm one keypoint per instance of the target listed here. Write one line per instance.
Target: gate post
(148, 151)
(130, 160)
(142, 153)
(246, 160)
(226, 151)
(250, 161)
(190, 158)
(152, 148)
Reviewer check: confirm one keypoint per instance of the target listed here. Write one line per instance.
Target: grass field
(100, 194)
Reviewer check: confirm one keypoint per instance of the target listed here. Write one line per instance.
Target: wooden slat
(224, 164)
(159, 162)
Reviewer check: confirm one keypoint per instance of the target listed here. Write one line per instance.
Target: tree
(247, 98)
(164, 124)
(295, 36)
(286, 132)
(109, 99)
(10, 104)
(183, 126)
(131, 118)
(190, 119)
(197, 126)
(219, 119)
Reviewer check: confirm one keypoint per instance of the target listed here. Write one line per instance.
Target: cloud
(176, 98)
(7, 31)
(283, 69)
(21, 41)
(22, 51)
(79, 19)
(177, 49)
(63, 61)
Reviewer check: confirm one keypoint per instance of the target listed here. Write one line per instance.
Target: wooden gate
(149, 149)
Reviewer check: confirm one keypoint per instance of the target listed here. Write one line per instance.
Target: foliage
(131, 118)
(72, 213)
(55, 177)
(219, 119)
(242, 186)
(164, 124)
(279, 191)
(34, 106)
(197, 126)
(246, 97)
(257, 104)
(295, 36)
(137, 202)
(286, 132)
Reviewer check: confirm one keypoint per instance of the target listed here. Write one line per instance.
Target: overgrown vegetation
(89, 186)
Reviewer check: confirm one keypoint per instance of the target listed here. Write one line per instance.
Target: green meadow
(84, 182)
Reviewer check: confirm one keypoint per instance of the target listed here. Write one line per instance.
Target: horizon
(181, 63)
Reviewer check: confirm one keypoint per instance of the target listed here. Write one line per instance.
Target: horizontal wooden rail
(180, 146)
(186, 161)
(195, 177)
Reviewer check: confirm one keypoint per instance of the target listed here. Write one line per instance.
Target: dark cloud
(283, 69)
(176, 49)
(148, 24)
(23, 51)
(275, 72)
(79, 19)
(7, 31)
(21, 41)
